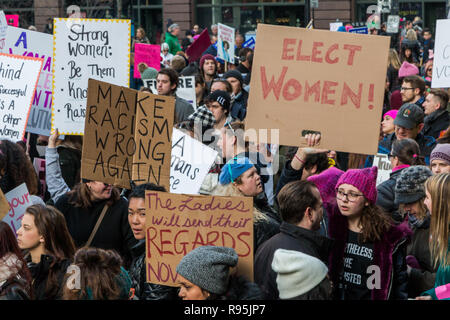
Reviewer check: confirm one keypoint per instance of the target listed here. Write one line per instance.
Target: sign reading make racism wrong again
(321, 81)
(127, 136)
(177, 224)
(84, 49)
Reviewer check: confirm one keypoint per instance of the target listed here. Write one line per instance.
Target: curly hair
(17, 168)
(374, 223)
(100, 276)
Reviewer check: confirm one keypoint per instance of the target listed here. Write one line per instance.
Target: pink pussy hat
(362, 179)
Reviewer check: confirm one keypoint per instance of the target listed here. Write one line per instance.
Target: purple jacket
(389, 255)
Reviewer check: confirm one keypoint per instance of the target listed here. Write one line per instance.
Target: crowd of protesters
(323, 228)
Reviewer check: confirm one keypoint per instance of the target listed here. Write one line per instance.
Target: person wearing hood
(410, 197)
(204, 274)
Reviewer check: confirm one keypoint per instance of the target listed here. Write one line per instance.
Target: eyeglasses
(404, 89)
(352, 197)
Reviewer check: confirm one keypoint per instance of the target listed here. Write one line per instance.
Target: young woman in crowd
(15, 278)
(239, 178)
(15, 169)
(394, 65)
(410, 196)
(404, 153)
(204, 274)
(99, 276)
(143, 290)
(365, 237)
(440, 158)
(437, 189)
(48, 248)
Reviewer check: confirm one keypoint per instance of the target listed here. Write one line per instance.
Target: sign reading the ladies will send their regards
(320, 81)
(83, 49)
(177, 224)
(18, 80)
(127, 136)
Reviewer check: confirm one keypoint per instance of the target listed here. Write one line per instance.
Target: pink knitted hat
(407, 69)
(325, 182)
(391, 113)
(362, 179)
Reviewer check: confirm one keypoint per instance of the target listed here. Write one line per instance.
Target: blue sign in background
(362, 30)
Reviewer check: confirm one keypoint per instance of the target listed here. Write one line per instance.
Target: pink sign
(147, 53)
(12, 19)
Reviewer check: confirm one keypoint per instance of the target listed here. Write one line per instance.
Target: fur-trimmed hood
(383, 250)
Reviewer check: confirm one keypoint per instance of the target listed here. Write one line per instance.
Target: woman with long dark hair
(15, 278)
(48, 248)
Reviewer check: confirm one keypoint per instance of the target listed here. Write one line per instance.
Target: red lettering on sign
(276, 87)
(286, 50)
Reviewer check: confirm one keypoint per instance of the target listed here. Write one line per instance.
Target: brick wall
(44, 9)
(181, 12)
(330, 10)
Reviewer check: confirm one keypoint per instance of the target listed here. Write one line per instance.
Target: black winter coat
(435, 123)
(114, 231)
(144, 290)
(14, 289)
(386, 196)
(40, 273)
(239, 107)
(239, 288)
(263, 230)
(290, 237)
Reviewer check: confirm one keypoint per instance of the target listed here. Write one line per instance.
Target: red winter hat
(396, 100)
(204, 58)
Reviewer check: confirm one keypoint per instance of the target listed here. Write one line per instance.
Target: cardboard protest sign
(362, 30)
(3, 30)
(334, 26)
(4, 205)
(40, 45)
(322, 81)
(150, 54)
(12, 20)
(382, 162)
(19, 200)
(185, 89)
(441, 64)
(195, 50)
(225, 43)
(129, 134)
(190, 163)
(177, 224)
(392, 24)
(18, 80)
(83, 49)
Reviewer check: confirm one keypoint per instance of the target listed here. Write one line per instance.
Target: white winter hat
(297, 273)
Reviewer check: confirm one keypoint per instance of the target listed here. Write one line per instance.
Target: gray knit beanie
(208, 267)
(410, 186)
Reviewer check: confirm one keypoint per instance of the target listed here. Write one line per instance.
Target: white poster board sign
(185, 89)
(392, 24)
(382, 162)
(441, 64)
(190, 163)
(334, 26)
(40, 45)
(18, 80)
(19, 200)
(225, 43)
(3, 30)
(83, 49)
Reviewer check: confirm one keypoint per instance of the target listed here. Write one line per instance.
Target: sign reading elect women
(83, 49)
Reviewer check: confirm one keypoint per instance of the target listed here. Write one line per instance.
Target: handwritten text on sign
(177, 224)
(190, 163)
(149, 54)
(39, 45)
(225, 43)
(129, 134)
(19, 200)
(331, 82)
(83, 49)
(18, 80)
(441, 65)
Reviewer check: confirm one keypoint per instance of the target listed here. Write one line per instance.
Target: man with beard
(208, 69)
(412, 90)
